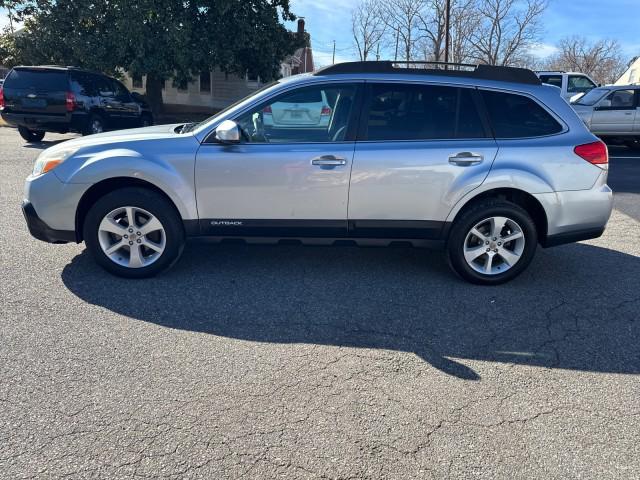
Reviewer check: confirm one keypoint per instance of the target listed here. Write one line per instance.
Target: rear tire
(633, 144)
(31, 135)
(95, 125)
(146, 120)
(492, 242)
(134, 233)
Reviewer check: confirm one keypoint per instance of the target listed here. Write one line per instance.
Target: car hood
(147, 133)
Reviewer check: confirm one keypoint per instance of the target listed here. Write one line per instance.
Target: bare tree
(402, 19)
(367, 27)
(464, 19)
(600, 60)
(506, 30)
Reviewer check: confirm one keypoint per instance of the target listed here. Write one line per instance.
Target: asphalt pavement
(317, 362)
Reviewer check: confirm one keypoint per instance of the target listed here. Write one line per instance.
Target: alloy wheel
(131, 237)
(494, 245)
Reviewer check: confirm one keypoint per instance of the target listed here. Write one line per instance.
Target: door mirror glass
(228, 132)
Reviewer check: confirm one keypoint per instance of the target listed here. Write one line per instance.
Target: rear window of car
(555, 80)
(422, 112)
(48, 80)
(517, 116)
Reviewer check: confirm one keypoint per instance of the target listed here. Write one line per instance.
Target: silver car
(612, 113)
(487, 163)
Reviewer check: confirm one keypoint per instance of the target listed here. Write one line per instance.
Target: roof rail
(484, 72)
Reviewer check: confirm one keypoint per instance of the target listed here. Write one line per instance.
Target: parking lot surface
(316, 362)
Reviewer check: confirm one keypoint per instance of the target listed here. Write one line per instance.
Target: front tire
(31, 136)
(492, 242)
(134, 233)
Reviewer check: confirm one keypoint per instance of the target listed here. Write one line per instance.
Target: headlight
(48, 160)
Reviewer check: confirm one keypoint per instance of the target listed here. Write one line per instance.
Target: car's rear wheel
(633, 144)
(134, 233)
(95, 125)
(492, 242)
(146, 120)
(31, 135)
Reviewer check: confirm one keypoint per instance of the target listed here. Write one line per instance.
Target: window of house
(205, 82)
(136, 81)
(517, 116)
(422, 112)
(308, 114)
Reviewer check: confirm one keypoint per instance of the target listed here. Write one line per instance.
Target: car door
(421, 148)
(282, 179)
(128, 110)
(615, 114)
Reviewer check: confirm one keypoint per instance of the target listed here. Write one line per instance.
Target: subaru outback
(485, 162)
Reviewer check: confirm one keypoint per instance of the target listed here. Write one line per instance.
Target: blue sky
(329, 20)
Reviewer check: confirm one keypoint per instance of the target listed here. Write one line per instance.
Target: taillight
(325, 111)
(267, 109)
(71, 102)
(595, 153)
(1, 98)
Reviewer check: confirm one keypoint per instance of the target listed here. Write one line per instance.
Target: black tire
(95, 124)
(476, 214)
(633, 144)
(145, 199)
(146, 120)
(31, 135)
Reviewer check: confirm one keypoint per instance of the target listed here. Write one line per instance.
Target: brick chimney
(300, 26)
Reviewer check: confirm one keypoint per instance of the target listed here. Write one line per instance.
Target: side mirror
(604, 104)
(228, 132)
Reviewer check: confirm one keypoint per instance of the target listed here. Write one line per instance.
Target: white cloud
(543, 50)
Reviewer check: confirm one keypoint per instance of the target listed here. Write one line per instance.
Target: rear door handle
(465, 159)
(328, 161)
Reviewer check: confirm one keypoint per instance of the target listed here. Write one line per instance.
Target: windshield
(192, 126)
(591, 97)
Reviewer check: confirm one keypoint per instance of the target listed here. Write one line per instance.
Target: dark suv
(68, 99)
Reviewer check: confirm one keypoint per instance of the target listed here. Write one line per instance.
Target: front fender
(171, 172)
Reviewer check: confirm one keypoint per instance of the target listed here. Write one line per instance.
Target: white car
(299, 110)
(571, 84)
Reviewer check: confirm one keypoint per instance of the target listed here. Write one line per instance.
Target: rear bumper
(54, 123)
(41, 230)
(578, 215)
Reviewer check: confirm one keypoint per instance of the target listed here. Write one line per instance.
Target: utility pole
(333, 59)
(378, 52)
(447, 32)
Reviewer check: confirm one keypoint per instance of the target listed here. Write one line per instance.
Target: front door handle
(328, 161)
(465, 159)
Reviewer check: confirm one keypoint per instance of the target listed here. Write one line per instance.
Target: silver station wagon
(485, 162)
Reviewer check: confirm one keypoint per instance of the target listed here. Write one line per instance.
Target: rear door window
(517, 116)
(555, 80)
(421, 112)
(46, 80)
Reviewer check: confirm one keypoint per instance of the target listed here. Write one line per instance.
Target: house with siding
(632, 75)
(216, 89)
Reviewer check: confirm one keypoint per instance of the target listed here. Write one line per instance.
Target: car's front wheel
(31, 135)
(134, 233)
(492, 242)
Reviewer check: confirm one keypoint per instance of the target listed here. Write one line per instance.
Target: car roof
(56, 68)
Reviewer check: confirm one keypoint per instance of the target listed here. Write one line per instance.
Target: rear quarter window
(47, 80)
(517, 116)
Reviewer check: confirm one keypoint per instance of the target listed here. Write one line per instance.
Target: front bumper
(41, 230)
